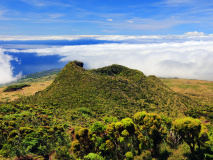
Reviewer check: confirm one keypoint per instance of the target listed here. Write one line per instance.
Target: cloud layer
(165, 56)
(185, 37)
(6, 70)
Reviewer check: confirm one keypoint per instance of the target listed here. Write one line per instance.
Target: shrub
(110, 119)
(98, 127)
(139, 117)
(83, 132)
(128, 125)
(119, 126)
(86, 111)
(146, 155)
(129, 156)
(150, 126)
(93, 156)
(125, 133)
(109, 145)
(189, 129)
(166, 121)
(75, 146)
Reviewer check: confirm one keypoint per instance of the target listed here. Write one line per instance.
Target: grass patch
(199, 90)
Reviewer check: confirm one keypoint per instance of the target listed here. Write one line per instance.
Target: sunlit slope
(38, 81)
(113, 90)
(197, 89)
(27, 91)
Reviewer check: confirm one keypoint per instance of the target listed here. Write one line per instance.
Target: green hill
(100, 114)
(114, 90)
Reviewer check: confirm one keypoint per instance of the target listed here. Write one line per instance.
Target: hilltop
(113, 90)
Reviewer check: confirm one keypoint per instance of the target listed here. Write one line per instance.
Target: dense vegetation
(114, 90)
(37, 132)
(15, 87)
(33, 130)
(108, 113)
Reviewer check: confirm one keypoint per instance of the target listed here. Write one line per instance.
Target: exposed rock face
(79, 63)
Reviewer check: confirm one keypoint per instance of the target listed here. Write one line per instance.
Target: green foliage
(125, 133)
(189, 129)
(109, 91)
(86, 111)
(129, 155)
(83, 132)
(145, 155)
(15, 87)
(110, 119)
(24, 132)
(75, 147)
(109, 145)
(205, 111)
(209, 150)
(93, 156)
(139, 118)
(150, 125)
(97, 127)
(166, 121)
(122, 139)
(105, 113)
(128, 125)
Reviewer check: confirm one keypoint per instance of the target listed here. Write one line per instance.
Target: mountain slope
(114, 90)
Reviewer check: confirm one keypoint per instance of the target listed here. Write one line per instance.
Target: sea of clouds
(188, 56)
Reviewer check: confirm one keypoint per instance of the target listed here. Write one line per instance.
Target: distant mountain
(113, 90)
(41, 74)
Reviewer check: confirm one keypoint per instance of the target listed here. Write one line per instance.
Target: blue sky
(97, 17)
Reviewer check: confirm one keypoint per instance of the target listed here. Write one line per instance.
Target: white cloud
(195, 33)
(150, 24)
(186, 58)
(6, 70)
(109, 20)
(186, 36)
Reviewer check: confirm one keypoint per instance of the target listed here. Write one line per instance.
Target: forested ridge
(108, 113)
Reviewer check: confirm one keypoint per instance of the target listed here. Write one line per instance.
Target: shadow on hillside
(164, 155)
(198, 154)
